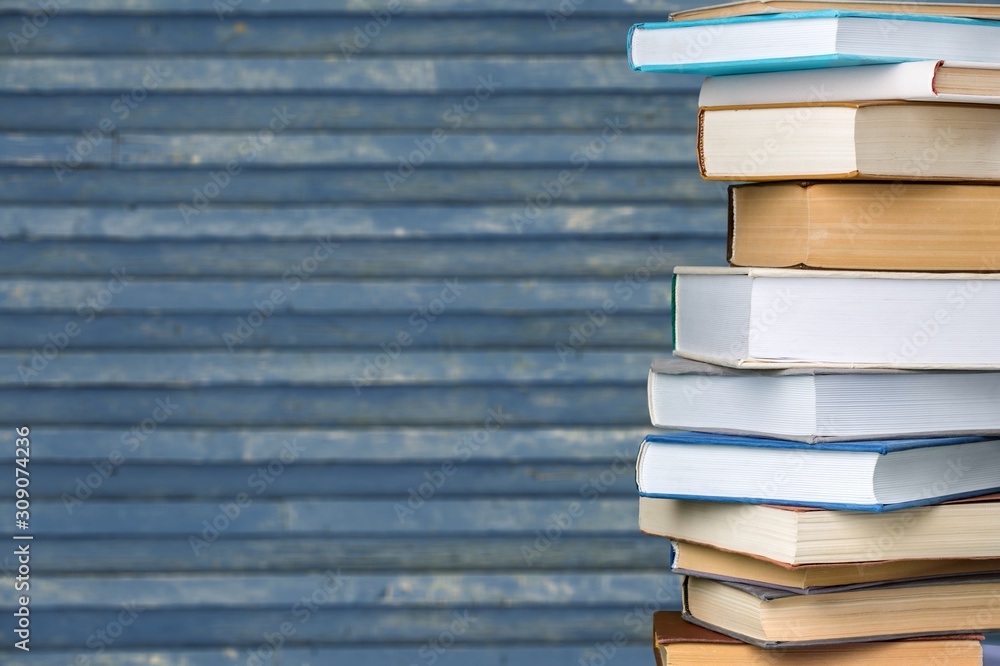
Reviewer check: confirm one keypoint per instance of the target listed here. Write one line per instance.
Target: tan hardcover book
(680, 643)
(769, 618)
(756, 7)
(795, 535)
(865, 140)
(897, 226)
(707, 562)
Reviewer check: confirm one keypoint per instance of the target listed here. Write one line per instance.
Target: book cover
(870, 476)
(805, 40)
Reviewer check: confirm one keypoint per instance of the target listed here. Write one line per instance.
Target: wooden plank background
(294, 404)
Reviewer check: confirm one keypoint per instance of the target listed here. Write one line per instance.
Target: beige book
(897, 226)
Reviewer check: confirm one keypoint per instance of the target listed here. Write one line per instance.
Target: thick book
(767, 617)
(752, 7)
(822, 404)
(677, 642)
(799, 535)
(865, 225)
(919, 81)
(707, 562)
(888, 140)
(859, 476)
(807, 40)
(783, 318)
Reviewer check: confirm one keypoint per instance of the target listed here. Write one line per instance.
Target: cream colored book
(796, 536)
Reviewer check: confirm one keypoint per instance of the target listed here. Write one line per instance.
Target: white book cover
(909, 81)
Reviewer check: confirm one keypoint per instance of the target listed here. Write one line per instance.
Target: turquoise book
(873, 476)
(808, 40)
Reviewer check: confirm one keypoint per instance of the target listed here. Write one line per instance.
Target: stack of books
(834, 493)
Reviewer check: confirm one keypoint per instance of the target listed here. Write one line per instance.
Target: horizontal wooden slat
(136, 481)
(373, 517)
(343, 223)
(323, 626)
(524, 187)
(295, 368)
(528, 406)
(318, 34)
(332, 74)
(153, 592)
(363, 259)
(465, 405)
(232, 553)
(492, 655)
(153, 330)
(331, 296)
(612, 146)
(318, 446)
(20, 149)
(346, 6)
(649, 111)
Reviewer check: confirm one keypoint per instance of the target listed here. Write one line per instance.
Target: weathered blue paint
(204, 329)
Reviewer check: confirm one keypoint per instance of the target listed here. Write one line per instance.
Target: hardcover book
(860, 476)
(753, 7)
(919, 81)
(797, 535)
(822, 404)
(866, 226)
(807, 40)
(680, 643)
(782, 318)
(707, 562)
(768, 617)
(864, 140)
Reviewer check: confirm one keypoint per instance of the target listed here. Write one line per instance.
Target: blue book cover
(890, 28)
(986, 467)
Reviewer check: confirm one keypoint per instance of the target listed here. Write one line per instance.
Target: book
(677, 642)
(799, 535)
(859, 476)
(781, 318)
(707, 562)
(864, 140)
(822, 404)
(752, 7)
(768, 617)
(807, 40)
(918, 81)
(865, 226)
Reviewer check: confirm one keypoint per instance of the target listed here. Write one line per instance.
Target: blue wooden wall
(333, 344)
